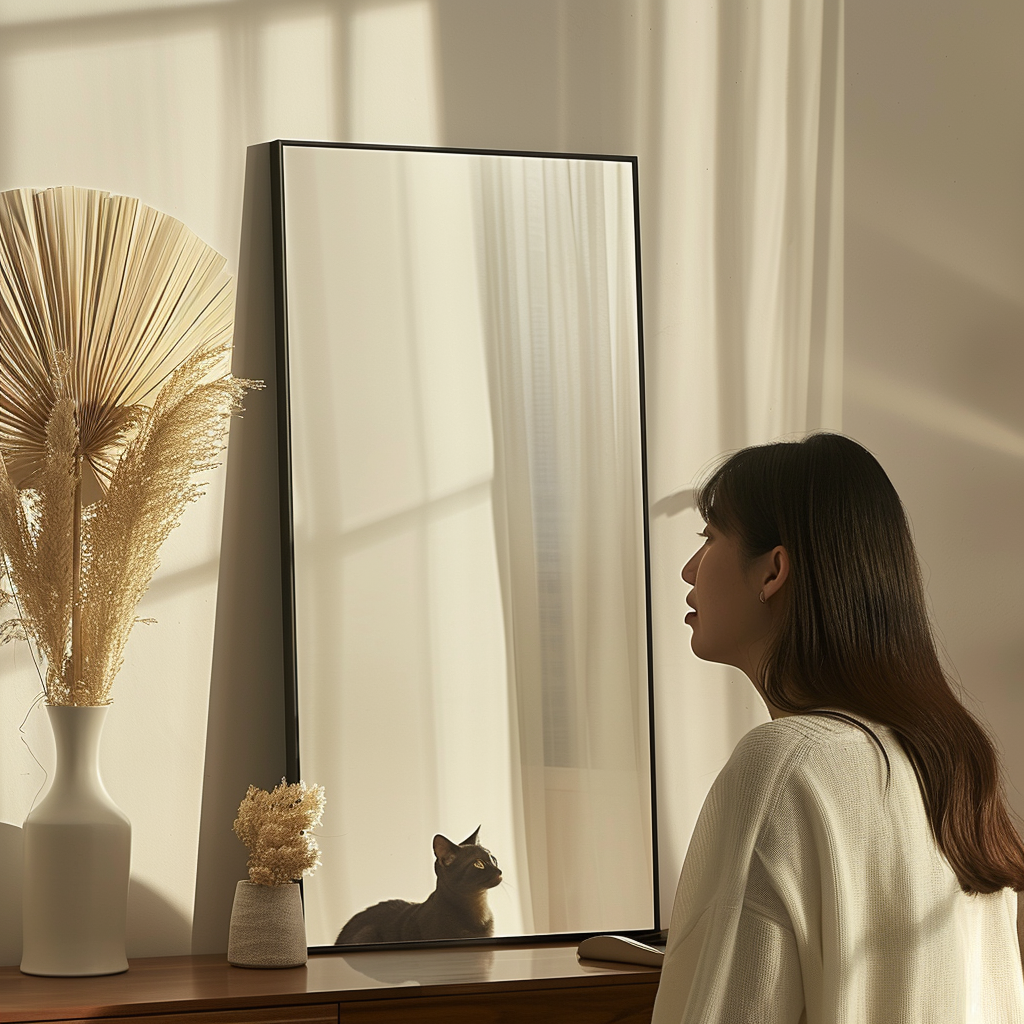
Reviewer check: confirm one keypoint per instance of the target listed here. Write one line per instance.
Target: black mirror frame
(276, 150)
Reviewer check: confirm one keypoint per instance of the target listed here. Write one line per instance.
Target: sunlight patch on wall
(932, 411)
(21, 12)
(142, 117)
(296, 78)
(393, 78)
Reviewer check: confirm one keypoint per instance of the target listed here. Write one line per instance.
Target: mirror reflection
(470, 620)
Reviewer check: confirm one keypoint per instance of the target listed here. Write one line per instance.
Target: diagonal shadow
(245, 727)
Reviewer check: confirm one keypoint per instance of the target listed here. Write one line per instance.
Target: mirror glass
(465, 575)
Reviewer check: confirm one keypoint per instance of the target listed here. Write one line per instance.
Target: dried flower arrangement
(277, 829)
(115, 336)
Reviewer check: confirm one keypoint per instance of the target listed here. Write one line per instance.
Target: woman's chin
(706, 652)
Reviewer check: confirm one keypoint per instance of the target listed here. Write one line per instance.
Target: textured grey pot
(267, 927)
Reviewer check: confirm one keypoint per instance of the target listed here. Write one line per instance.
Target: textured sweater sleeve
(764, 984)
(731, 955)
(758, 982)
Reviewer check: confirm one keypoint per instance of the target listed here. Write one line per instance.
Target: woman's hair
(854, 631)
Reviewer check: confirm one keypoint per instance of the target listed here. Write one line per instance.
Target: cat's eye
(478, 864)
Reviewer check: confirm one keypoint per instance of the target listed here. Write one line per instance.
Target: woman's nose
(689, 573)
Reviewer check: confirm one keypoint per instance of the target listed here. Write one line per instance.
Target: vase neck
(76, 734)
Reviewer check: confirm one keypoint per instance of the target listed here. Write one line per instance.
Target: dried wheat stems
(115, 335)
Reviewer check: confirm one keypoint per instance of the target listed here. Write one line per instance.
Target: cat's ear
(445, 850)
(471, 840)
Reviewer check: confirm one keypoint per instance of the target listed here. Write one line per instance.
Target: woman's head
(852, 595)
(818, 527)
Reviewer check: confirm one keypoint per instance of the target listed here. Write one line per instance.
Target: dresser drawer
(611, 1004)
(325, 1013)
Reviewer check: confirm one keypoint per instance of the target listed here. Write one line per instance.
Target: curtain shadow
(826, 304)
(736, 75)
(245, 730)
(517, 73)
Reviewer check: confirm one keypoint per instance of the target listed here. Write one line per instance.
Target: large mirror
(466, 587)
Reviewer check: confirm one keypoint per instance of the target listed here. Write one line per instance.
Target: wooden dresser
(482, 985)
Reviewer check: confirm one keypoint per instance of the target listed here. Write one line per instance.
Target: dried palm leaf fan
(115, 335)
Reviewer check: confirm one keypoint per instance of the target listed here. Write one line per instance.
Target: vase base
(45, 972)
(268, 967)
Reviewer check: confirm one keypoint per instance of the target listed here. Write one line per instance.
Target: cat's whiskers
(505, 888)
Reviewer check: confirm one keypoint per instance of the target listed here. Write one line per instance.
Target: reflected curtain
(556, 240)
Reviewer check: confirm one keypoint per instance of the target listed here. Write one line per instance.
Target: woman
(854, 862)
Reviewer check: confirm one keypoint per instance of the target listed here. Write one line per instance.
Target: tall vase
(77, 860)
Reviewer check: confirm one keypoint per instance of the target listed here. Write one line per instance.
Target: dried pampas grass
(277, 829)
(115, 339)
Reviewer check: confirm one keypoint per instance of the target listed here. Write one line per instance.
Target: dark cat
(456, 909)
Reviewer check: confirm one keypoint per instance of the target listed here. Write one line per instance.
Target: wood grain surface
(480, 984)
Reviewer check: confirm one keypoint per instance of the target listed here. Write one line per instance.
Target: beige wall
(934, 335)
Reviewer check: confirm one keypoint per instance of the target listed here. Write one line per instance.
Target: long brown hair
(854, 631)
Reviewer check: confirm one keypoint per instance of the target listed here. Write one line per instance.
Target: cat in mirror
(456, 909)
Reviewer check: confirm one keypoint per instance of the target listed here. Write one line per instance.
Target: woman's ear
(776, 571)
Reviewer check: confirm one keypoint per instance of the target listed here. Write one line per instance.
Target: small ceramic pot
(267, 926)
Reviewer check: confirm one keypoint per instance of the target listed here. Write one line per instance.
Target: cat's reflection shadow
(394, 968)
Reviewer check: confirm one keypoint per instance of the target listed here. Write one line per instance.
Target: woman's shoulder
(800, 743)
(782, 735)
(822, 725)
(763, 758)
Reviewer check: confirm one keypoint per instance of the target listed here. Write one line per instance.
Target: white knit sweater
(809, 893)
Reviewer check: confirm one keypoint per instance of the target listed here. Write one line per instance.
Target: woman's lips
(689, 616)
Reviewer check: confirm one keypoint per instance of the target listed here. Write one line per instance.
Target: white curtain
(560, 300)
(743, 315)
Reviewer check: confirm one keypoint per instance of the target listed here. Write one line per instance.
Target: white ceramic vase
(77, 860)
(267, 926)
